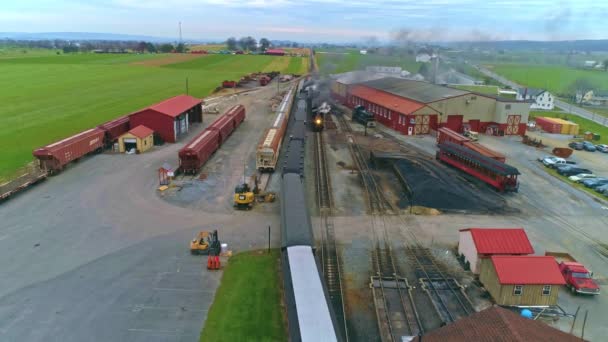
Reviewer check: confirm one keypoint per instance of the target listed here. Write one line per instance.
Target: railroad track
(329, 253)
(395, 310)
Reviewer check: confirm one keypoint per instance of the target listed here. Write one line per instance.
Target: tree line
(72, 46)
(249, 44)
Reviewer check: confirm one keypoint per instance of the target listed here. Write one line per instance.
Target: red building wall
(161, 124)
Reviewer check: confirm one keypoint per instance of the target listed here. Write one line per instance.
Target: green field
(584, 124)
(556, 79)
(332, 62)
(247, 305)
(51, 97)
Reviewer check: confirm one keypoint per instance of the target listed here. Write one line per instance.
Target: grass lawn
(332, 63)
(247, 305)
(556, 79)
(48, 98)
(584, 124)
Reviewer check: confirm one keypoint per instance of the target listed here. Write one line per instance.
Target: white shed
(475, 244)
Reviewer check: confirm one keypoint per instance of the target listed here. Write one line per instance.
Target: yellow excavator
(243, 197)
(204, 243)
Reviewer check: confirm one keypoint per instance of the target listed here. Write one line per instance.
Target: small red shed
(477, 243)
(171, 118)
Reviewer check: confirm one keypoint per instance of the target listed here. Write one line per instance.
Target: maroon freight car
(224, 125)
(196, 153)
(54, 157)
(237, 113)
(115, 128)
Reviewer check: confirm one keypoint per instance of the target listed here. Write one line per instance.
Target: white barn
(543, 99)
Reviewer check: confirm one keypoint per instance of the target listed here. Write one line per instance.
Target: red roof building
(171, 118)
(522, 280)
(496, 324)
(477, 243)
(141, 131)
(275, 52)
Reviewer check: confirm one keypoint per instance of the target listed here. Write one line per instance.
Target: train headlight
(318, 121)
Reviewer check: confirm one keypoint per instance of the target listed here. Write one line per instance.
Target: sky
(316, 20)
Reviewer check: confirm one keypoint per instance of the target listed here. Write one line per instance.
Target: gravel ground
(94, 254)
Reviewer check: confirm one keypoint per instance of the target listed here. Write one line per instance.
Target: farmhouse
(171, 118)
(497, 324)
(415, 107)
(543, 100)
(521, 280)
(475, 244)
(139, 138)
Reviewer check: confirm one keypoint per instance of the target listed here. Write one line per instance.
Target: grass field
(331, 63)
(556, 79)
(247, 305)
(584, 124)
(51, 97)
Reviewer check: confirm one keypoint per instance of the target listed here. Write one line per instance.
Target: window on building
(546, 290)
(508, 106)
(389, 114)
(518, 290)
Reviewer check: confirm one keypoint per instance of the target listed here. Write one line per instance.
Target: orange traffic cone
(217, 262)
(209, 262)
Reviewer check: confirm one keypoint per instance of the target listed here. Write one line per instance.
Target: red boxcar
(229, 84)
(224, 125)
(115, 128)
(445, 134)
(237, 113)
(54, 157)
(196, 153)
(484, 151)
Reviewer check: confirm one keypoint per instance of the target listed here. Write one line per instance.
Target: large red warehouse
(171, 118)
(416, 107)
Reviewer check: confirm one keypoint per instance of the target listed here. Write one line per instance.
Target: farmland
(337, 62)
(50, 97)
(556, 79)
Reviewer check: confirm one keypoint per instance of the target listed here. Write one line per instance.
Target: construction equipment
(201, 244)
(243, 197)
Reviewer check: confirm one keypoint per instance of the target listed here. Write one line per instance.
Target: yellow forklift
(243, 197)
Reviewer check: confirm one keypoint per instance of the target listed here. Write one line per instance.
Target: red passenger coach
(54, 157)
(237, 113)
(196, 153)
(501, 176)
(115, 128)
(445, 134)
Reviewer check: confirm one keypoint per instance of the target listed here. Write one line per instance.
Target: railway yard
(385, 218)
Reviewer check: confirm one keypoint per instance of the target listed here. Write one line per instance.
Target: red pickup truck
(577, 276)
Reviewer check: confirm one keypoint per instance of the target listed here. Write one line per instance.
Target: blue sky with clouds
(316, 20)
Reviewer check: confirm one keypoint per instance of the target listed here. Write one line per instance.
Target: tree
(264, 44)
(248, 43)
(150, 47)
(231, 43)
(606, 65)
(579, 88)
(70, 48)
(181, 48)
(141, 47)
(166, 48)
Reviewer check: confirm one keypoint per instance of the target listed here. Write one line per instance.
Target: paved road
(565, 106)
(94, 254)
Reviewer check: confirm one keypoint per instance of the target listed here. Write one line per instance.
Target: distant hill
(85, 36)
(566, 45)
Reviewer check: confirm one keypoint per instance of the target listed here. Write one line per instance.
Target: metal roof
(419, 91)
(141, 131)
(498, 325)
(489, 163)
(175, 105)
(357, 76)
(296, 229)
(390, 101)
(314, 318)
(527, 270)
(500, 240)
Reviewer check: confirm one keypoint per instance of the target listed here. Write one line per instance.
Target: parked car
(602, 188)
(581, 177)
(542, 158)
(588, 146)
(548, 160)
(561, 162)
(575, 145)
(602, 148)
(595, 182)
(568, 170)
